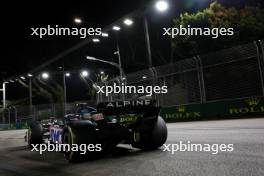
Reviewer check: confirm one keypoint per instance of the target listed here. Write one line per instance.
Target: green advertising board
(248, 107)
(13, 126)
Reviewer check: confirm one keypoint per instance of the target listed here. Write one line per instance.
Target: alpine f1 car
(131, 122)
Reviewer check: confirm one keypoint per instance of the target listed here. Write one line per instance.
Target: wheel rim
(66, 139)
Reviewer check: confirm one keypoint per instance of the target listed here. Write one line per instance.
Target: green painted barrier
(248, 107)
(20, 125)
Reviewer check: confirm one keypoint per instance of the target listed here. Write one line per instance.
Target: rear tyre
(35, 134)
(153, 139)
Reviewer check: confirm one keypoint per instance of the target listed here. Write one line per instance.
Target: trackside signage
(248, 107)
(181, 113)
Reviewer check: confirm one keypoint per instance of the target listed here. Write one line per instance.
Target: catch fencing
(23, 114)
(228, 74)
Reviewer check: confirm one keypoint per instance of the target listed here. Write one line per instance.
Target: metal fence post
(260, 65)
(155, 82)
(3, 116)
(53, 110)
(262, 49)
(15, 114)
(34, 113)
(119, 80)
(201, 77)
(8, 115)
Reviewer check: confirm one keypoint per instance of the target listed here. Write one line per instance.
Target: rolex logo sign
(253, 101)
(181, 108)
(251, 105)
(181, 112)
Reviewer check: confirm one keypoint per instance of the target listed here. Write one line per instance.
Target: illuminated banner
(251, 106)
(181, 113)
(248, 107)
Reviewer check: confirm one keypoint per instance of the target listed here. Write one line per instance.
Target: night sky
(21, 52)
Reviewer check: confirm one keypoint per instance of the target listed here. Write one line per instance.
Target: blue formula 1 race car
(130, 122)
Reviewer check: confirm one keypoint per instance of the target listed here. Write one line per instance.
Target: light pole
(108, 62)
(117, 28)
(85, 74)
(161, 6)
(64, 90)
(4, 99)
(119, 60)
(45, 76)
(146, 32)
(119, 66)
(30, 96)
(30, 92)
(4, 94)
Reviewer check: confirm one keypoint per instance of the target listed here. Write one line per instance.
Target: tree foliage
(248, 24)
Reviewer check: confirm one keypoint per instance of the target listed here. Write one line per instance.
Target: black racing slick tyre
(75, 137)
(35, 134)
(153, 139)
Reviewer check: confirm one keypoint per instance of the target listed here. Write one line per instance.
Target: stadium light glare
(116, 28)
(84, 73)
(77, 20)
(45, 75)
(67, 74)
(96, 40)
(144, 77)
(162, 5)
(128, 22)
(105, 34)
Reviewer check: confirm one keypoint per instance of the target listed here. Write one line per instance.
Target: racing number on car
(55, 135)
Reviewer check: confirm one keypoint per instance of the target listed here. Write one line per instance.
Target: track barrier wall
(246, 107)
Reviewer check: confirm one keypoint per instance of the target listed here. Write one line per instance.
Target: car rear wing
(146, 107)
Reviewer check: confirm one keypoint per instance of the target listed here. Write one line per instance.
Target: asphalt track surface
(247, 159)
